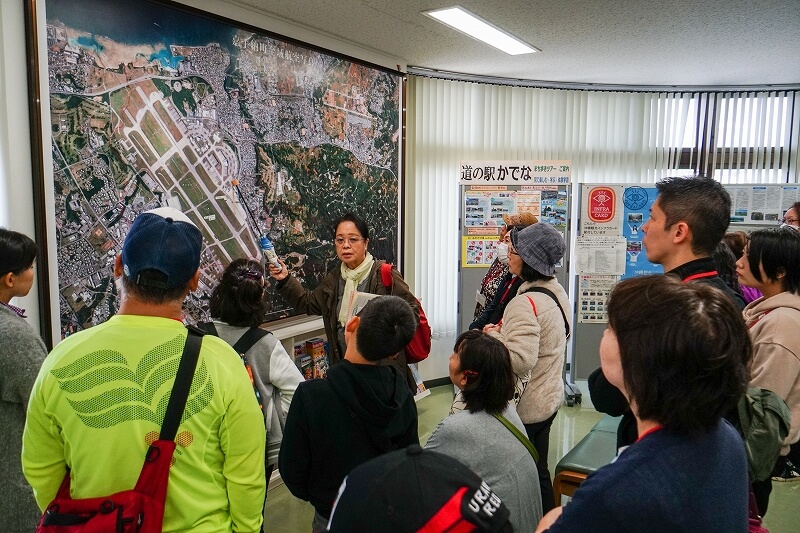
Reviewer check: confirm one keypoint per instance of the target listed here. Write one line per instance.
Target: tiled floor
(287, 514)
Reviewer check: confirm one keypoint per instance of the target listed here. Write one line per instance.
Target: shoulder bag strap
(517, 433)
(248, 340)
(183, 382)
(386, 276)
(558, 304)
(209, 328)
(176, 405)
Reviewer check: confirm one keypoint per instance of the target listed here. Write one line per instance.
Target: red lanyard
(649, 431)
(505, 293)
(701, 275)
(508, 288)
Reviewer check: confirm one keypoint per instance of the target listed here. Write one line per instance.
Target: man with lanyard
(687, 222)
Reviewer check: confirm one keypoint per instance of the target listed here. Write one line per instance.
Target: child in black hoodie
(360, 411)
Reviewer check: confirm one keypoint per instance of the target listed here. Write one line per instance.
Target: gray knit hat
(540, 246)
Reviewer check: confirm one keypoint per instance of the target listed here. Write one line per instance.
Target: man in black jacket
(687, 222)
(360, 411)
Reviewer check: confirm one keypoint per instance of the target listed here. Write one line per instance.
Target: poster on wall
(553, 207)
(593, 292)
(637, 202)
(761, 205)
(486, 208)
(478, 251)
(610, 244)
(516, 172)
(153, 104)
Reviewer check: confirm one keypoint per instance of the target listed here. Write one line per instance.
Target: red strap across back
(649, 431)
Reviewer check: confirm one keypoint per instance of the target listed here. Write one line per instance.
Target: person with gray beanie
(534, 328)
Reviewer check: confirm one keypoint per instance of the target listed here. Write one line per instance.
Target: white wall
(16, 184)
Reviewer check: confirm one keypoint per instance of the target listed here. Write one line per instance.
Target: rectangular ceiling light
(465, 22)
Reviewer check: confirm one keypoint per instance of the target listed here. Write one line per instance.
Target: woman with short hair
(481, 369)
(771, 264)
(356, 270)
(679, 352)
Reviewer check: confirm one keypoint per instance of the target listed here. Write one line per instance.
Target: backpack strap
(183, 382)
(555, 299)
(245, 342)
(248, 340)
(386, 275)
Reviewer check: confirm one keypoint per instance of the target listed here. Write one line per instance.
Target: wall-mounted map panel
(152, 105)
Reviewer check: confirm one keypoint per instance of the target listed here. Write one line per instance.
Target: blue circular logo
(634, 198)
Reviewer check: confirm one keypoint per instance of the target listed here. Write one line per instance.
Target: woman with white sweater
(534, 328)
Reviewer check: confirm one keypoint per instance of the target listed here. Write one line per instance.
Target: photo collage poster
(485, 205)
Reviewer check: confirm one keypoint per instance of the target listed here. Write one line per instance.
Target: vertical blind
(610, 137)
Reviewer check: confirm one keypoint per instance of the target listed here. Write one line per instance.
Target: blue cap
(164, 240)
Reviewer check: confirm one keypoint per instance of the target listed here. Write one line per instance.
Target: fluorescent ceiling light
(465, 22)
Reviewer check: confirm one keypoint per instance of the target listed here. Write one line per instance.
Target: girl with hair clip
(480, 367)
(237, 307)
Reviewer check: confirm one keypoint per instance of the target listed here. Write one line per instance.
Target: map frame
(159, 128)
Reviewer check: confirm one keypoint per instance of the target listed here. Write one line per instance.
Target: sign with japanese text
(516, 172)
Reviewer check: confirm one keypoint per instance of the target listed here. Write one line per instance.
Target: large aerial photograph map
(246, 133)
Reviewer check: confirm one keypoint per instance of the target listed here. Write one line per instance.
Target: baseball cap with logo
(166, 241)
(416, 490)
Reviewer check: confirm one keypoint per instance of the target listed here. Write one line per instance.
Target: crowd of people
(678, 355)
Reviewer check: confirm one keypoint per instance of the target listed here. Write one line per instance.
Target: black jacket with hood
(358, 412)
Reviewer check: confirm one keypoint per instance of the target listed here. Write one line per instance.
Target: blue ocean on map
(138, 22)
(89, 42)
(166, 58)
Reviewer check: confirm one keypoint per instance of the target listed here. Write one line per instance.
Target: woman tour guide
(358, 271)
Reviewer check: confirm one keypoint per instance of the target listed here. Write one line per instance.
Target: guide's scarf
(352, 278)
